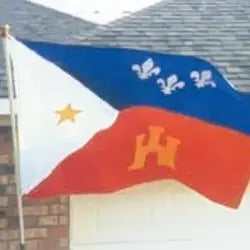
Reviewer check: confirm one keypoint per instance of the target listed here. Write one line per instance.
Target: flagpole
(10, 84)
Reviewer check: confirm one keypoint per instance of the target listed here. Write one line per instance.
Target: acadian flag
(97, 120)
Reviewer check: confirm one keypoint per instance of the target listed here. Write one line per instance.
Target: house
(46, 222)
(217, 31)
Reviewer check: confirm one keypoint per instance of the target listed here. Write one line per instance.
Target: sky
(97, 11)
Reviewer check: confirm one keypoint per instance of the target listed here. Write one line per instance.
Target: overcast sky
(98, 11)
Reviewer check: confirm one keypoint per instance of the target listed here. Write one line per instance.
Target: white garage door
(156, 216)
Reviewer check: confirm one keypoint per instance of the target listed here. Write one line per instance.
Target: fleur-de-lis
(146, 70)
(203, 79)
(170, 84)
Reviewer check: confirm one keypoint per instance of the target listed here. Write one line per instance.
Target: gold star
(68, 113)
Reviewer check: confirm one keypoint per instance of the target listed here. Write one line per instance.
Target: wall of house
(46, 221)
(160, 215)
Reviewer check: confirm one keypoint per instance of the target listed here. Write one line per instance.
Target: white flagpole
(11, 94)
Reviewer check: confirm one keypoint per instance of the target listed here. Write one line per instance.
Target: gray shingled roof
(39, 23)
(28, 20)
(217, 30)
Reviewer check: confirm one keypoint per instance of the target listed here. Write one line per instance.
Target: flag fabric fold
(97, 120)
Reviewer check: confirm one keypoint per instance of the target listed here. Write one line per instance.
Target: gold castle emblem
(166, 151)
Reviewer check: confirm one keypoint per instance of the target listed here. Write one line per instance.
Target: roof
(218, 31)
(31, 21)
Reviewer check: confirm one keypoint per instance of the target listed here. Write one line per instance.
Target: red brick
(4, 159)
(14, 245)
(33, 245)
(3, 201)
(6, 170)
(49, 244)
(4, 180)
(3, 223)
(28, 202)
(12, 211)
(9, 234)
(48, 221)
(5, 145)
(31, 233)
(3, 212)
(12, 200)
(35, 210)
(3, 246)
(5, 148)
(31, 210)
(29, 222)
(63, 220)
(13, 222)
(64, 200)
(11, 189)
(58, 209)
(3, 235)
(64, 242)
(59, 231)
(12, 179)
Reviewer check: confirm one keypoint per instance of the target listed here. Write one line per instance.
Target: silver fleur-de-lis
(203, 79)
(146, 70)
(170, 84)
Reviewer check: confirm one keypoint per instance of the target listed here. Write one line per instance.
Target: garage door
(156, 216)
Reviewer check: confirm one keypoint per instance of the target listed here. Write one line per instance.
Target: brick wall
(46, 221)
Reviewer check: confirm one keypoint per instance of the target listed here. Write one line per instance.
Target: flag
(97, 120)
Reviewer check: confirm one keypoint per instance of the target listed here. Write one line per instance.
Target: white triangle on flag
(43, 91)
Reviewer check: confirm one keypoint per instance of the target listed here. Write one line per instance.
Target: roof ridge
(122, 20)
(58, 11)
